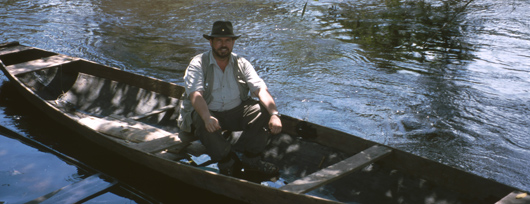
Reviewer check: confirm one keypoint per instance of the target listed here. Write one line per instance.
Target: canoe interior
(121, 105)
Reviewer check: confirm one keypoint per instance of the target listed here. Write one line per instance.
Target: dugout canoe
(134, 116)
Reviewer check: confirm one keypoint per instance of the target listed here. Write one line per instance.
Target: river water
(447, 80)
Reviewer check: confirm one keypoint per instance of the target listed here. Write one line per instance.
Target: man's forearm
(266, 100)
(200, 105)
(275, 124)
(211, 123)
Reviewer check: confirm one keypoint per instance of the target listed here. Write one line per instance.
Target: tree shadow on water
(405, 31)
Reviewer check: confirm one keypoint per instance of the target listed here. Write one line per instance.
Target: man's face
(222, 47)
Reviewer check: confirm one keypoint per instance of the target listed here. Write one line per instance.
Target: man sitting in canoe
(218, 83)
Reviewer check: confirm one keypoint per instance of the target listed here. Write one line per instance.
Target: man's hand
(212, 124)
(199, 104)
(265, 98)
(275, 124)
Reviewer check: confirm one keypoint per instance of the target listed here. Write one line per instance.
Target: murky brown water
(447, 80)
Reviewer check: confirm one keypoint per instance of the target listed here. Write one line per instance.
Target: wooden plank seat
(77, 192)
(337, 170)
(171, 142)
(129, 130)
(14, 49)
(144, 137)
(39, 64)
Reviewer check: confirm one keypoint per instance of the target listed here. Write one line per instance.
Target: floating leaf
(521, 195)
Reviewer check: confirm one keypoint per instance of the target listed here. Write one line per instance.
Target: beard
(223, 52)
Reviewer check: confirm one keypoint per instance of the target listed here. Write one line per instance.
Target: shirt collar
(214, 62)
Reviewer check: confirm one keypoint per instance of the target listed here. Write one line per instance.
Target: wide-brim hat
(221, 29)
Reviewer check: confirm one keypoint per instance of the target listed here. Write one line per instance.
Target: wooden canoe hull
(303, 150)
(217, 183)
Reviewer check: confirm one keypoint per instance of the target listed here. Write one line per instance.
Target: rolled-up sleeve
(253, 80)
(193, 78)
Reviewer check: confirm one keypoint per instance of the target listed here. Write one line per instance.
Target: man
(218, 83)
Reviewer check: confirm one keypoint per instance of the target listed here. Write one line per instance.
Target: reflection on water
(442, 79)
(416, 31)
(24, 181)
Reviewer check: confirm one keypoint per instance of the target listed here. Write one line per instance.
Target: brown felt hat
(221, 29)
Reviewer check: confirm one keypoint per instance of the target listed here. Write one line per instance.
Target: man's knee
(215, 143)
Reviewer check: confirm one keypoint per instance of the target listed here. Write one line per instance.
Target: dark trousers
(249, 117)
